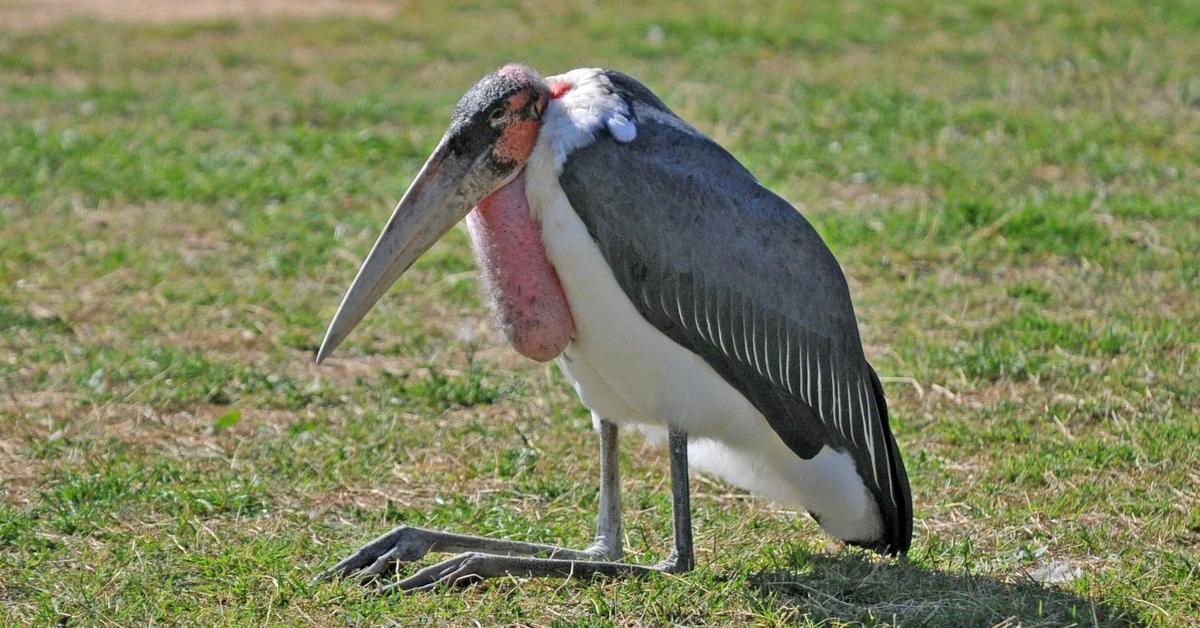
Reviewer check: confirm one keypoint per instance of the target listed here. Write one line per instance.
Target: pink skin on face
(524, 288)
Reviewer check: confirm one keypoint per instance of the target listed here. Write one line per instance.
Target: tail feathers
(897, 521)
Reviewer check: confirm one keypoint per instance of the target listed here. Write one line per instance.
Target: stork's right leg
(608, 519)
(407, 544)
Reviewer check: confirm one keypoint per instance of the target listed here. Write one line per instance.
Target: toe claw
(342, 569)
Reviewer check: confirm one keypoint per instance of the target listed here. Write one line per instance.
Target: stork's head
(492, 133)
(497, 122)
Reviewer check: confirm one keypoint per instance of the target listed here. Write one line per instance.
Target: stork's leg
(475, 566)
(407, 544)
(681, 558)
(608, 517)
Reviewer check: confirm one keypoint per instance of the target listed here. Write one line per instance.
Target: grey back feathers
(735, 274)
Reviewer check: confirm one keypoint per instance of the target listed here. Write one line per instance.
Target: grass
(1012, 188)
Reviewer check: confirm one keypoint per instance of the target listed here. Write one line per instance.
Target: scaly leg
(475, 566)
(407, 544)
(608, 517)
(681, 559)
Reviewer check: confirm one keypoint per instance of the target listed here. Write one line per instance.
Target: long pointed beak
(431, 206)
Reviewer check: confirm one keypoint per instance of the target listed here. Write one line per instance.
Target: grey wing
(734, 273)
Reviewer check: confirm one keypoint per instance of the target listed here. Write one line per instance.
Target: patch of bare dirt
(35, 14)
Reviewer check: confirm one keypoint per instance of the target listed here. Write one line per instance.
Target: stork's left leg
(475, 566)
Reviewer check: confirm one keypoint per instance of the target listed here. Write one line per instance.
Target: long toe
(446, 572)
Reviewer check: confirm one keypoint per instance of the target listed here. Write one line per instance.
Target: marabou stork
(678, 295)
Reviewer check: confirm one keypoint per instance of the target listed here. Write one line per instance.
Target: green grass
(1013, 190)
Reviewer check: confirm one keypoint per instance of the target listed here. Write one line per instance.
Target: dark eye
(497, 113)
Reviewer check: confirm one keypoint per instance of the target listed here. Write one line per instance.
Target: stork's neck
(506, 227)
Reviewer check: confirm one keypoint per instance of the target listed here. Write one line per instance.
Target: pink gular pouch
(520, 280)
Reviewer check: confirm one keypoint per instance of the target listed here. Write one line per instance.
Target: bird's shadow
(849, 588)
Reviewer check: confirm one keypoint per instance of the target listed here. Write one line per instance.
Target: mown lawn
(1013, 189)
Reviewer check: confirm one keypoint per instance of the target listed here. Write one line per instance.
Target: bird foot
(473, 567)
(406, 544)
(400, 545)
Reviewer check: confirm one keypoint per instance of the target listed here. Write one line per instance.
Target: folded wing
(734, 273)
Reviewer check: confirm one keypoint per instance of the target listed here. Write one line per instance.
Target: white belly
(628, 372)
